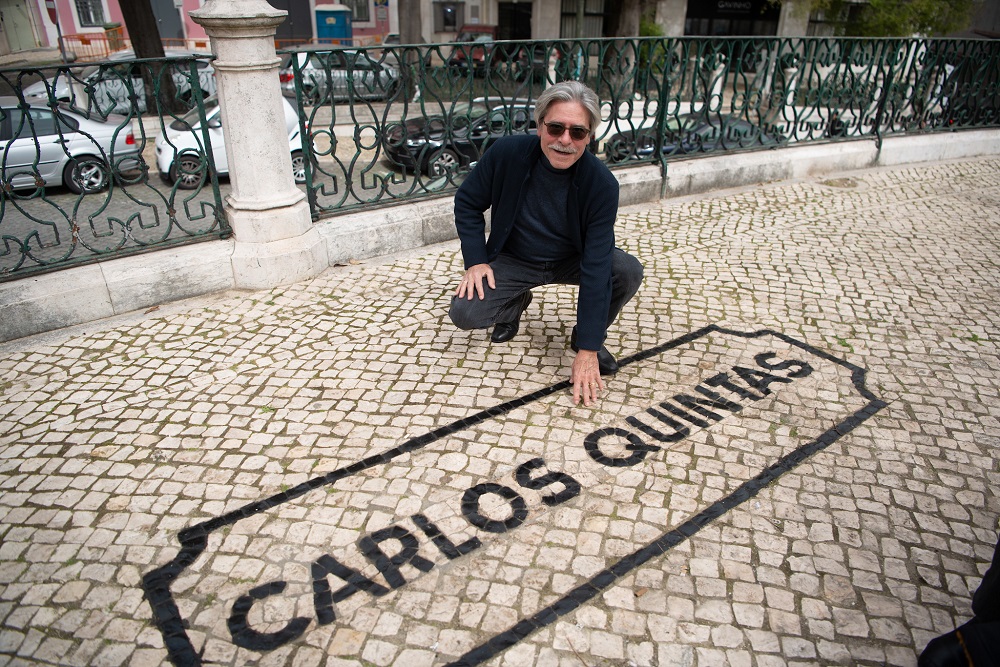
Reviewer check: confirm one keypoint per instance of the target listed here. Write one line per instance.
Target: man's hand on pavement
(586, 377)
(472, 281)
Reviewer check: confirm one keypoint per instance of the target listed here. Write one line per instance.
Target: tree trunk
(140, 22)
(621, 60)
(623, 19)
(410, 33)
(409, 23)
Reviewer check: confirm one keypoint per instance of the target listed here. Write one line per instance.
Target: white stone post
(276, 242)
(715, 97)
(791, 83)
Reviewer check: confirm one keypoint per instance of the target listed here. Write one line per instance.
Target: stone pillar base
(266, 265)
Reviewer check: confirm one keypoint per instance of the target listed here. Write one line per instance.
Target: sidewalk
(796, 465)
(31, 58)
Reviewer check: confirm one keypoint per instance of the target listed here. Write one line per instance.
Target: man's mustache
(568, 150)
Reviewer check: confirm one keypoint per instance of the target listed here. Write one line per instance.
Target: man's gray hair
(569, 91)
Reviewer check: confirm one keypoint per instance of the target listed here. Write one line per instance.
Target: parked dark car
(689, 133)
(435, 145)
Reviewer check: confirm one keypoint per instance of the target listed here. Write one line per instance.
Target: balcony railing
(78, 179)
(398, 123)
(384, 125)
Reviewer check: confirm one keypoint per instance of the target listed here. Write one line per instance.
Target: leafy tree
(898, 18)
(902, 18)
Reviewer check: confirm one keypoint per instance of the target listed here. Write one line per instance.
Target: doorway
(168, 19)
(514, 20)
(298, 26)
(16, 24)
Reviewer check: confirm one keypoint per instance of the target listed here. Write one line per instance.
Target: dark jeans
(514, 277)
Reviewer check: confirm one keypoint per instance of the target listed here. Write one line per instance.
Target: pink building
(86, 24)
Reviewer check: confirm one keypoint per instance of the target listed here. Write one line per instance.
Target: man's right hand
(472, 282)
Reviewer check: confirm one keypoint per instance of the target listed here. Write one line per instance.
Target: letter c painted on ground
(246, 637)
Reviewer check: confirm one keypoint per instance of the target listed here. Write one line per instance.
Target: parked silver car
(338, 75)
(110, 85)
(42, 146)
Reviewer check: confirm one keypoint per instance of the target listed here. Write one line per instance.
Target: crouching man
(553, 205)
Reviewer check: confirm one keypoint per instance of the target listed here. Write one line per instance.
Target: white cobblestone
(116, 438)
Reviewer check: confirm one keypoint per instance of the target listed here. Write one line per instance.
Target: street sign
(50, 5)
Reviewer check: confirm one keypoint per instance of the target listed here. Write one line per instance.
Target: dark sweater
(541, 232)
(498, 182)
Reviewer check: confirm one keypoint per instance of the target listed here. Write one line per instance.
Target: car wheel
(442, 162)
(87, 174)
(188, 171)
(299, 167)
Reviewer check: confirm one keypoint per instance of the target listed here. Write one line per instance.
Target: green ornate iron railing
(400, 123)
(78, 151)
(390, 125)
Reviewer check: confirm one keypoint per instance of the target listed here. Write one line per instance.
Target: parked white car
(109, 85)
(42, 146)
(181, 157)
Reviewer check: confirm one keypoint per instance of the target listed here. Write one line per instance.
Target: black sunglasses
(556, 130)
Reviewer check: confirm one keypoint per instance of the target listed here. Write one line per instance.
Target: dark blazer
(499, 181)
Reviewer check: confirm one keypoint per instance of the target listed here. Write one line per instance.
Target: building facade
(25, 24)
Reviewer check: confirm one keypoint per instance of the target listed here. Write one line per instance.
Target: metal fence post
(276, 242)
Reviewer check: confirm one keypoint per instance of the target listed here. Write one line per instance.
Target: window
(41, 124)
(90, 13)
(448, 16)
(593, 19)
(359, 10)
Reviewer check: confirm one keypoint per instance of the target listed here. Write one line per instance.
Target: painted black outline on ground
(167, 618)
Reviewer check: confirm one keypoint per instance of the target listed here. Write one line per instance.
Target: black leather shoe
(605, 360)
(504, 331)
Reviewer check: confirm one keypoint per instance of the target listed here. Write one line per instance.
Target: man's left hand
(586, 377)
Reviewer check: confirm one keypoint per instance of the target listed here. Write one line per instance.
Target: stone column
(276, 242)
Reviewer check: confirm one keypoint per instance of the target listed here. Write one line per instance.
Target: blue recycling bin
(333, 22)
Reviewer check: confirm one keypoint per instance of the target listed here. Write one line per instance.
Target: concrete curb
(84, 294)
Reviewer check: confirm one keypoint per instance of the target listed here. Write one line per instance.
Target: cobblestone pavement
(797, 463)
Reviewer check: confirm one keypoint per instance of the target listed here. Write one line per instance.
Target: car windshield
(192, 118)
(475, 37)
(471, 109)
